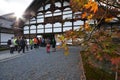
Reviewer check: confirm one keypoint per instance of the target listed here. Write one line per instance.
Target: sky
(13, 6)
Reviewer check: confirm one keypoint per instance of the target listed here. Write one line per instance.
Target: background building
(6, 28)
(51, 17)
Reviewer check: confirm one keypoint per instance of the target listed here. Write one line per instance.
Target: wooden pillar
(29, 28)
(0, 35)
(62, 14)
(52, 22)
(36, 25)
(111, 27)
(52, 15)
(84, 23)
(44, 16)
(72, 25)
(72, 22)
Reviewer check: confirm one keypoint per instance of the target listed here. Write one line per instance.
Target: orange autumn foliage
(116, 61)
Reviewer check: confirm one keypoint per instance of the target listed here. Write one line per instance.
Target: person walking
(26, 44)
(22, 45)
(35, 42)
(47, 41)
(53, 45)
(42, 42)
(31, 44)
(12, 46)
(16, 42)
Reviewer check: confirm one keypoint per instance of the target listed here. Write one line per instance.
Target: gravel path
(38, 65)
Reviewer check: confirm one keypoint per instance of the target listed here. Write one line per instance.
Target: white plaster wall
(5, 37)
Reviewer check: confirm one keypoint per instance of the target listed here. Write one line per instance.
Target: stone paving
(39, 65)
(5, 55)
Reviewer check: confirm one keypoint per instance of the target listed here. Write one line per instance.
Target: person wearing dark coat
(22, 45)
(53, 45)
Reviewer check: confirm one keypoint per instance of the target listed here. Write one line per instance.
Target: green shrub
(3, 48)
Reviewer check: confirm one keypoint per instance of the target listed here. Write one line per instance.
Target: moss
(3, 48)
(93, 73)
(96, 74)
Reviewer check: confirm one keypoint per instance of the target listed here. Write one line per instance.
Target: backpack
(17, 41)
(9, 42)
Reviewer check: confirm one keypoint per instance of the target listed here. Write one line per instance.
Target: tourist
(12, 46)
(53, 45)
(31, 44)
(35, 42)
(22, 45)
(47, 41)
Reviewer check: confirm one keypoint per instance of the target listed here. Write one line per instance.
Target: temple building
(6, 28)
(50, 18)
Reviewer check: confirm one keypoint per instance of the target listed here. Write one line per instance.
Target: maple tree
(98, 41)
